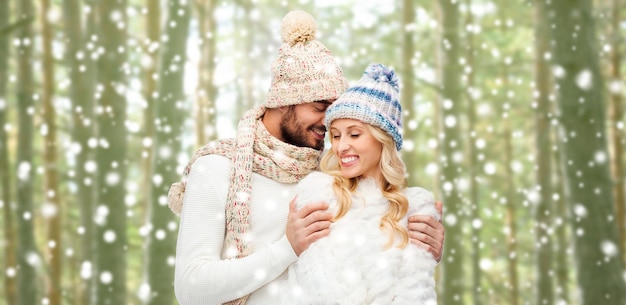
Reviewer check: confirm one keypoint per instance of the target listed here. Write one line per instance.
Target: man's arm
(427, 232)
(307, 225)
(201, 276)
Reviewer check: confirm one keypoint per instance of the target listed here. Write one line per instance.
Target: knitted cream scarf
(254, 150)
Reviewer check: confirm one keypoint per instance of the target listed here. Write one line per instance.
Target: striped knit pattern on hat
(374, 100)
(305, 70)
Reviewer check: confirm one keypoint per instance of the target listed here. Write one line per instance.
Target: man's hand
(307, 225)
(428, 233)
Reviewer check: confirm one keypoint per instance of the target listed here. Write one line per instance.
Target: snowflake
(584, 79)
(106, 277)
(609, 248)
(109, 236)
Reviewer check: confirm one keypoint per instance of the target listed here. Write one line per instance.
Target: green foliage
(358, 33)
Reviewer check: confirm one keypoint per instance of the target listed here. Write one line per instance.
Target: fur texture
(351, 265)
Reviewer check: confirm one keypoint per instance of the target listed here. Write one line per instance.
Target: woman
(367, 258)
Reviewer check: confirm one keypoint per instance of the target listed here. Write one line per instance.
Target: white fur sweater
(351, 265)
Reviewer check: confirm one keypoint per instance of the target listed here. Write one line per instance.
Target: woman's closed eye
(337, 136)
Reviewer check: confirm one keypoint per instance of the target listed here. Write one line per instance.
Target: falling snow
(106, 277)
(584, 79)
(504, 92)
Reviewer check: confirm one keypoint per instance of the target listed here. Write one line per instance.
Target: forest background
(513, 117)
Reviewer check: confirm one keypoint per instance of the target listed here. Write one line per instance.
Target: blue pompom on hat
(374, 100)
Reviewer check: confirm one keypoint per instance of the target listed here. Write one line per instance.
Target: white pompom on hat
(305, 70)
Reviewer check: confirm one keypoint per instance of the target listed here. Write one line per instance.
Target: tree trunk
(407, 93)
(580, 89)
(543, 157)
(51, 188)
(473, 166)
(167, 145)
(247, 6)
(26, 274)
(8, 206)
(153, 27)
(562, 245)
(616, 114)
(510, 219)
(81, 72)
(110, 230)
(450, 145)
(206, 92)
(243, 42)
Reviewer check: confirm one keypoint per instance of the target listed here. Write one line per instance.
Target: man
(237, 237)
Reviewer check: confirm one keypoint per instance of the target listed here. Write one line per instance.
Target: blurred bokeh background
(513, 118)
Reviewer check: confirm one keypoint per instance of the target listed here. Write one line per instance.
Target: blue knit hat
(372, 100)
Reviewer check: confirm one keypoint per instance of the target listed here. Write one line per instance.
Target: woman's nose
(344, 144)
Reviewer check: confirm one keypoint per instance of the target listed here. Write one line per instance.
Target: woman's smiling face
(356, 149)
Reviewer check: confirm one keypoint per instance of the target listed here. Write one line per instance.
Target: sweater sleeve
(201, 275)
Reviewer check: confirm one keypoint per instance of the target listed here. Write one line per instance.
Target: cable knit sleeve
(201, 275)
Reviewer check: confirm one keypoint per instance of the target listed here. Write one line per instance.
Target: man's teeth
(348, 159)
(319, 132)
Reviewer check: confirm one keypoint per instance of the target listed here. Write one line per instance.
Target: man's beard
(294, 133)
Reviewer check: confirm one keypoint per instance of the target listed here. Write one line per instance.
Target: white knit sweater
(351, 265)
(202, 277)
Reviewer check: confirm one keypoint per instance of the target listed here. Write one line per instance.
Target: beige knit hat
(305, 71)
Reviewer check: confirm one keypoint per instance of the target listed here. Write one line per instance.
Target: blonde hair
(393, 171)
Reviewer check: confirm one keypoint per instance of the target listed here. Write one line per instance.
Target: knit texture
(270, 157)
(254, 150)
(305, 70)
(374, 100)
(200, 251)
